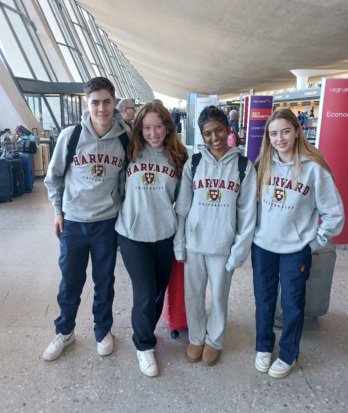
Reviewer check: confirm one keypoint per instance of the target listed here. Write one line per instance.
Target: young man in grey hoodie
(86, 199)
(216, 222)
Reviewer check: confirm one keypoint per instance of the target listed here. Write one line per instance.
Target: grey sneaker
(263, 361)
(280, 369)
(106, 346)
(57, 346)
(147, 362)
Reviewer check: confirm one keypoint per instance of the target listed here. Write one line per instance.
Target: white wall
(13, 108)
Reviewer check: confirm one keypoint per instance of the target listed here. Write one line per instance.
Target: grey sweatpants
(202, 327)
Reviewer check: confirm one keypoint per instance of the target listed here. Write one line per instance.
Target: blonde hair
(173, 149)
(301, 147)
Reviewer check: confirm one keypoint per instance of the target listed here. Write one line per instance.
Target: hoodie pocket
(210, 238)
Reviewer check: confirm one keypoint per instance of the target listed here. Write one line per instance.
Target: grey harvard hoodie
(290, 208)
(215, 214)
(91, 191)
(147, 213)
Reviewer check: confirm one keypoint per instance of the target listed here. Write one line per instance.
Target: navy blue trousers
(149, 266)
(292, 270)
(77, 242)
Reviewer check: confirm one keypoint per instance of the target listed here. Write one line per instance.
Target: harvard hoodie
(147, 213)
(92, 186)
(289, 208)
(216, 216)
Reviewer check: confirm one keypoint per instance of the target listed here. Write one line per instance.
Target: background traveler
(233, 120)
(176, 119)
(128, 111)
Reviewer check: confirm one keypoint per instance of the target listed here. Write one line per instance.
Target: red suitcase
(174, 313)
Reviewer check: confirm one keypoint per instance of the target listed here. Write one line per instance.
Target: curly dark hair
(211, 113)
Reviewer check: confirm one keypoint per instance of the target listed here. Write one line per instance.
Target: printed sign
(332, 138)
(202, 103)
(260, 108)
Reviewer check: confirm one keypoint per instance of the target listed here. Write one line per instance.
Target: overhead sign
(259, 110)
(332, 137)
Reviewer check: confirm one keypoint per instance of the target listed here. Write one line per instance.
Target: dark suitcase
(18, 176)
(28, 172)
(6, 180)
(318, 287)
(174, 312)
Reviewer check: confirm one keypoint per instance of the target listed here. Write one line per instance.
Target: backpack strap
(125, 141)
(74, 139)
(242, 165)
(196, 157)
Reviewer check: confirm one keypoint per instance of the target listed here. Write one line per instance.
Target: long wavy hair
(173, 149)
(301, 147)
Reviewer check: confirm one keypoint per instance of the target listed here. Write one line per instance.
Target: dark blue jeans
(77, 242)
(292, 270)
(149, 266)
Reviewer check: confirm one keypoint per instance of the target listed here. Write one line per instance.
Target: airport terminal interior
(223, 52)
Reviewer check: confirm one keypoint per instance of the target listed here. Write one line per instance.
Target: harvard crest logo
(98, 170)
(149, 178)
(279, 194)
(214, 195)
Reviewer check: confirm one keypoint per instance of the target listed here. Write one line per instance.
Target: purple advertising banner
(260, 108)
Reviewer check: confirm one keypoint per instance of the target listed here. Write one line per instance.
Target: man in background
(128, 111)
(233, 120)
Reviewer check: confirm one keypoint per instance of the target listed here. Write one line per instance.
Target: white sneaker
(106, 346)
(147, 362)
(280, 369)
(263, 361)
(57, 346)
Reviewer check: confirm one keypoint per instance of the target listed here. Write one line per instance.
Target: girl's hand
(58, 225)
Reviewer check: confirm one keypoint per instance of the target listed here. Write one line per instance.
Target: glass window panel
(30, 103)
(82, 70)
(71, 11)
(96, 70)
(81, 35)
(65, 110)
(90, 23)
(47, 120)
(70, 112)
(52, 21)
(41, 52)
(70, 63)
(28, 46)
(10, 3)
(35, 107)
(76, 111)
(54, 102)
(12, 52)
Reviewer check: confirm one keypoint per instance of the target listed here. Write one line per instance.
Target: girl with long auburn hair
(299, 210)
(172, 148)
(147, 222)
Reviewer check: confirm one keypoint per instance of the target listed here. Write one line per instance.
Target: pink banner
(332, 138)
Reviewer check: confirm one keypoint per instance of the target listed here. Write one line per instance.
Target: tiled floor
(82, 381)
